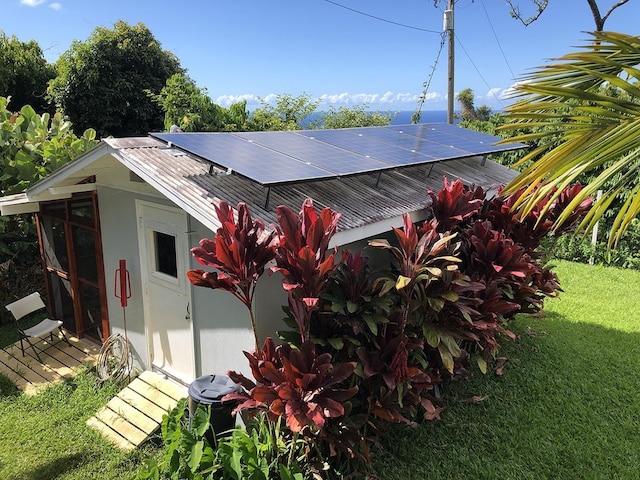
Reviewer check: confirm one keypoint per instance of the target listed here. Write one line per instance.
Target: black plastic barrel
(210, 390)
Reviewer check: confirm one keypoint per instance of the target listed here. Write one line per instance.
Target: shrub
(303, 260)
(295, 384)
(368, 347)
(580, 249)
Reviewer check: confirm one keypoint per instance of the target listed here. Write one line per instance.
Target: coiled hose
(114, 360)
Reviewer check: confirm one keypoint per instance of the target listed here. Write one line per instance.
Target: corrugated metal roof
(362, 199)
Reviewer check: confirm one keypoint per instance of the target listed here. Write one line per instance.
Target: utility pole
(448, 26)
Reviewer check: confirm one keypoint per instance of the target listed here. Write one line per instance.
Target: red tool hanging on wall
(114, 360)
(122, 290)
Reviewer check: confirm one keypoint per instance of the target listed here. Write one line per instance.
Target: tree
(102, 83)
(190, 108)
(584, 113)
(356, 116)
(465, 99)
(287, 114)
(468, 111)
(31, 147)
(24, 73)
(541, 6)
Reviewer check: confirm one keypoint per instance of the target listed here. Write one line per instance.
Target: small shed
(148, 200)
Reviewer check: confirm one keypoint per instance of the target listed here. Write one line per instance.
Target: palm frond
(583, 112)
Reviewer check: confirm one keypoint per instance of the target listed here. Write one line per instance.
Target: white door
(164, 256)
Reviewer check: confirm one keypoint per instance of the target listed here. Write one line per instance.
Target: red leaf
(500, 365)
(296, 422)
(264, 394)
(332, 408)
(316, 415)
(311, 302)
(431, 411)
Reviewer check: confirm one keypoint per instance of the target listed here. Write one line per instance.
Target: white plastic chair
(25, 307)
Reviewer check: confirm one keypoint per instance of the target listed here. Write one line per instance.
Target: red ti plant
(455, 204)
(239, 252)
(421, 257)
(297, 384)
(501, 252)
(302, 258)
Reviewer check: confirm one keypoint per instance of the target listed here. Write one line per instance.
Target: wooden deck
(132, 416)
(59, 362)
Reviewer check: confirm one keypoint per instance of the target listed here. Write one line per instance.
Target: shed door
(164, 254)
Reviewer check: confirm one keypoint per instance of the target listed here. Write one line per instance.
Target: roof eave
(68, 170)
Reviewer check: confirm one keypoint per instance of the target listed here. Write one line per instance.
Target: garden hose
(114, 359)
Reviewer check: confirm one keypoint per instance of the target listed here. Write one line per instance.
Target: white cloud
(32, 3)
(227, 100)
(336, 98)
(495, 94)
(386, 101)
(55, 6)
(271, 98)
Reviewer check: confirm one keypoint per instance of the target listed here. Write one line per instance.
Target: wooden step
(132, 416)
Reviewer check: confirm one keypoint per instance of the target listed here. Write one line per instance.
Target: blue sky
(247, 49)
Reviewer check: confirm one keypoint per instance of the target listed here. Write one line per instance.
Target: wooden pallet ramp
(132, 416)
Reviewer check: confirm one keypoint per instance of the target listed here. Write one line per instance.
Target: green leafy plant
(582, 112)
(187, 452)
(422, 258)
(262, 451)
(33, 145)
(190, 108)
(102, 82)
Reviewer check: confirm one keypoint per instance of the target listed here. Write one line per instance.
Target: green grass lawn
(45, 437)
(568, 406)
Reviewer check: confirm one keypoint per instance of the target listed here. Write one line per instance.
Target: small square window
(166, 254)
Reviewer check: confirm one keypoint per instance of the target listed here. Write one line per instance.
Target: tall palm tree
(583, 113)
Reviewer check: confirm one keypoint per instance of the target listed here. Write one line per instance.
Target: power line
(497, 40)
(476, 68)
(381, 19)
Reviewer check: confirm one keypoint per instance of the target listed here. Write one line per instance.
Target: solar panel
(311, 151)
(250, 160)
(272, 158)
(348, 139)
(477, 143)
(398, 139)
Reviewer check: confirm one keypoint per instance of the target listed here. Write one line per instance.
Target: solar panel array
(275, 158)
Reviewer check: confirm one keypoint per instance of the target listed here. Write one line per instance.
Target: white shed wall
(118, 224)
(221, 323)
(222, 328)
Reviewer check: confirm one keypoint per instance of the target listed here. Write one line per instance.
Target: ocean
(428, 116)
(402, 117)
